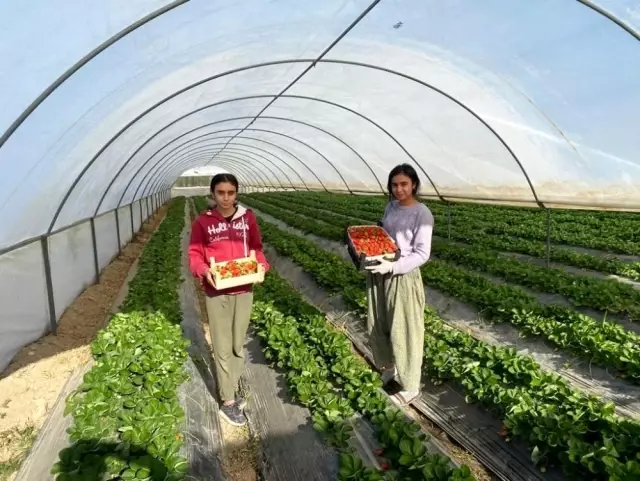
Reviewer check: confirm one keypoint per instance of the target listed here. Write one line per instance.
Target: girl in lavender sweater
(395, 292)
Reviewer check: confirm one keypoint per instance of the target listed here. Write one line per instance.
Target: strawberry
(371, 241)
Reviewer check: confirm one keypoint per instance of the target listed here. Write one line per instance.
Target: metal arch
(372, 122)
(141, 115)
(248, 176)
(610, 16)
(272, 63)
(151, 183)
(202, 140)
(207, 150)
(266, 142)
(81, 63)
(459, 103)
(184, 135)
(232, 164)
(251, 97)
(235, 163)
(246, 153)
(235, 149)
(195, 138)
(168, 171)
(243, 157)
(185, 148)
(284, 119)
(178, 147)
(344, 181)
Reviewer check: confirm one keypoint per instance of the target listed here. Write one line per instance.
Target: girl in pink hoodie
(226, 231)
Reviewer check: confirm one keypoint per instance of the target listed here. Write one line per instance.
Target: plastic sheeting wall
(72, 265)
(24, 309)
(106, 238)
(124, 218)
(24, 313)
(137, 219)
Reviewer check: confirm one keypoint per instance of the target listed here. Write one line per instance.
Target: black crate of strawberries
(368, 244)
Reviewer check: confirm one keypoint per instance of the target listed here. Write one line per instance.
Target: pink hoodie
(213, 236)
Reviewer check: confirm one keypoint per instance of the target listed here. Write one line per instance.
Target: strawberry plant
(466, 228)
(606, 343)
(336, 383)
(609, 231)
(126, 413)
(562, 425)
(583, 291)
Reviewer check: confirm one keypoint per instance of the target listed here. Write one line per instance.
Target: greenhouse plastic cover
(106, 103)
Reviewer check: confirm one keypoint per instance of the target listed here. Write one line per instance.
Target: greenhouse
(519, 120)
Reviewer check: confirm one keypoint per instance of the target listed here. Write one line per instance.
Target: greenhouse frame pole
(548, 237)
(133, 229)
(313, 63)
(53, 323)
(118, 231)
(141, 215)
(82, 62)
(94, 242)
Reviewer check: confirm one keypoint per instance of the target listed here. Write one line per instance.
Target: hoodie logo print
(223, 227)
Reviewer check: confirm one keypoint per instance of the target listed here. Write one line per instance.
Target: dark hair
(220, 178)
(407, 170)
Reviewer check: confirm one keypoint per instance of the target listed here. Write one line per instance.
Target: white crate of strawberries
(237, 272)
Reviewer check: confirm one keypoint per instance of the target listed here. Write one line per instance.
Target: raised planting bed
(326, 376)
(127, 419)
(605, 343)
(562, 426)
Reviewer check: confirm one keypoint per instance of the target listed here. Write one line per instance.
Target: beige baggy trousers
(395, 323)
(229, 317)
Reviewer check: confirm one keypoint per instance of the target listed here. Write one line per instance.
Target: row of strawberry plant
(126, 413)
(603, 342)
(325, 376)
(561, 425)
(606, 295)
(583, 229)
(299, 337)
(470, 233)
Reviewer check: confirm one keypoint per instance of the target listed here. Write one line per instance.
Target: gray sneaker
(233, 414)
(241, 402)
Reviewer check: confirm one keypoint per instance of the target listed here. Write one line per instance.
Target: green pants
(229, 317)
(395, 323)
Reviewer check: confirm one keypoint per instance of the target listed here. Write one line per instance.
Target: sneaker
(388, 375)
(241, 402)
(404, 398)
(233, 415)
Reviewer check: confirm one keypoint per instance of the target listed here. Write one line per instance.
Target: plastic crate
(229, 282)
(360, 259)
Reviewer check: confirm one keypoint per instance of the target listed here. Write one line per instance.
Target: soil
(30, 385)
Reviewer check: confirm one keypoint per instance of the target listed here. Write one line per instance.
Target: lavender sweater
(411, 227)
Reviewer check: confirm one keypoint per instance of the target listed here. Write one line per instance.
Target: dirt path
(241, 450)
